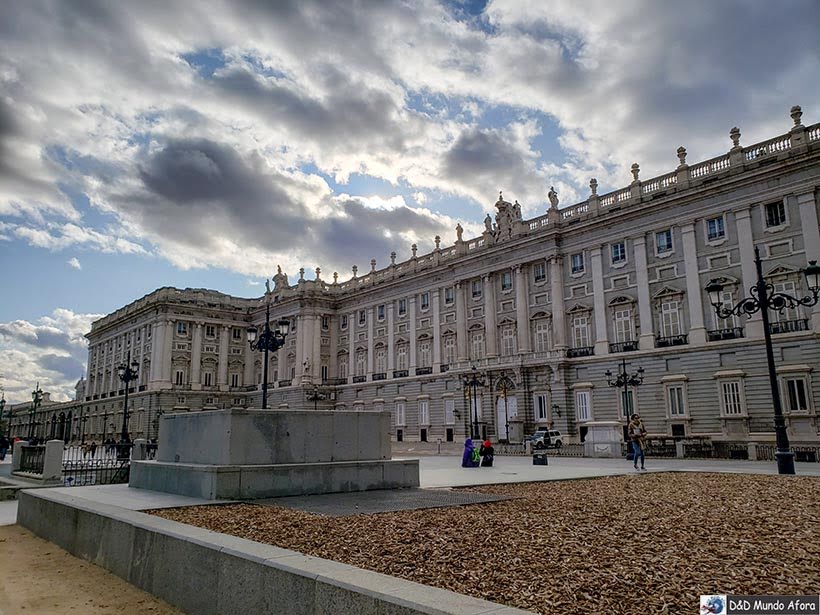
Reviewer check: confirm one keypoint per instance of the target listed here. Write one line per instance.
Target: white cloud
(52, 351)
(74, 262)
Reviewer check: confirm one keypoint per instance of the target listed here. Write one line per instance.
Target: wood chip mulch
(619, 545)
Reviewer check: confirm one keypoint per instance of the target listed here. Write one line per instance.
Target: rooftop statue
(280, 280)
(552, 195)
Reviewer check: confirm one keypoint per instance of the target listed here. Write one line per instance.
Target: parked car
(546, 439)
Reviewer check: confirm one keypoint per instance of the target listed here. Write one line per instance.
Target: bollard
(678, 449)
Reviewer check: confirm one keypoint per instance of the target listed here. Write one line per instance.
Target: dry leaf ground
(619, 545)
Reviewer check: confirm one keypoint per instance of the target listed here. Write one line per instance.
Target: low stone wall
(249, 482)
(206, 572)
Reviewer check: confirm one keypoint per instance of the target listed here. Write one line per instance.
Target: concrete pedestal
(603, 439)
(246, 454)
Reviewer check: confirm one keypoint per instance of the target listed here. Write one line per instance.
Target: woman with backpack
(470, 459)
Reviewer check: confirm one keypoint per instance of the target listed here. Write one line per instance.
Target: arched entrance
(506, 411)
(60, 435)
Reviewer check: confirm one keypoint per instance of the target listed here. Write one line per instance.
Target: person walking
(470, 457)
(637, 433)
(4, 447)
(487, 452)
(93, 449)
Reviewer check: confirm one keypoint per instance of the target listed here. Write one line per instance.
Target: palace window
(362, 317)
(343, 367)
(506, 281)
(210, 331)
(542, 335)
(424, 354)
(617, 252)
(179, 377)
(577, 263)
(424, 412)
(208, 379)
(449, 411)
(663, 241)
(476, 288)
(361, 362)
(325, 323)
(401, 357)
(236, 334)
(449, 349)
(343, 322)
(715, 228)
(623, 325)
(425, 301)
(400, 418)
(788, 287)
(402, 307)
(381, 360)
(507, 340)
(675, 400)
(775, 214)
(539, 272)
(670, 318)
(580, 331)
(182, 328)
(449, 295)
(380, 312)
(796, 396)
(234, 380)
(539, 402)
(476, 345)
(731, 397)
(583, 405)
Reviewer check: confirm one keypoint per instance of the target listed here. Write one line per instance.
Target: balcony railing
(624, 346)
(380, 376)
(444, 368)
(422, 371)
(582, 351)
(671, 340)
(285, 383)
(358, 379)
(334, 381)
(789, 326)
(400, 373)
(732, 333)
(143, 387)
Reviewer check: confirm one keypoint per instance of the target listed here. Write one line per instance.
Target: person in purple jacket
(468, 460)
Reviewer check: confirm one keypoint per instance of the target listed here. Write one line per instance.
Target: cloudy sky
(200, 144)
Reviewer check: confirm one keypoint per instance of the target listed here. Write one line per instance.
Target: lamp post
(105, 425)
(2, 413)
(127, 372)
(268, 341)
(36, 400)
(762, 299)
(556, 410)
(504, 381)
(473, 381)
(83, 419)
(624, 380)
(315, 396)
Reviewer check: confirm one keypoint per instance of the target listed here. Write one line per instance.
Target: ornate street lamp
(127, 372)
(474, 381)
(83, 418)
(268, 341)
(315, 396)
(762, 299)
(624, 380)
(36, 400)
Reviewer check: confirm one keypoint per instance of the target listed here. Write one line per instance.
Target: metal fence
(810, 454)
(567, 450)
(96, 465)
(660, 448)
(32, 458)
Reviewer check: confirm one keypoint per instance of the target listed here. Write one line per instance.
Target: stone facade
(541, 307)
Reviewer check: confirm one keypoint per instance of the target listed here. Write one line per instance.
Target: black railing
(285, 383)
(664, 447)
(423, 371)
(444, 368)
(582, 351)
(732, 333)
(400, 373)
(697, 449)
(671, 340)
(624, 346)
(380, 376)
(357, 379)
(730, 450)
(789, 326)
(808, 454)
(32, 459)
(334, 381)
(97, 465)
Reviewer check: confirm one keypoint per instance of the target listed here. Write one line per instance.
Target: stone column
(370, 337)
(281, 363)
(391, 340)
(436, 329)
(647, 338)
(333, 367)
(196, 358)
(157, 344)
(461, 321)
(222, 364)
(745, 240)
(559, 314)
(316, 361)
(351, 346)
(249, 375)
(522, 310)
(300, 345)
(490, 316)
(694, 294)
(811, 240)
(168, 345)
(601, 332)
(411, 316)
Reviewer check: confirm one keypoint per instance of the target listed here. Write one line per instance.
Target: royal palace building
(515, 329)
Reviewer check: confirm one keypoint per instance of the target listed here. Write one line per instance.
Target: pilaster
(411, 316)
(370, 340)
(522, 295)
(745, 240)
(601, 337)
(436, 295)
(647, 337)
(196, 357)
(811, 240)
(694, 294)
(559, 314)
(461, 321)
(391, 339)
(490, 316)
